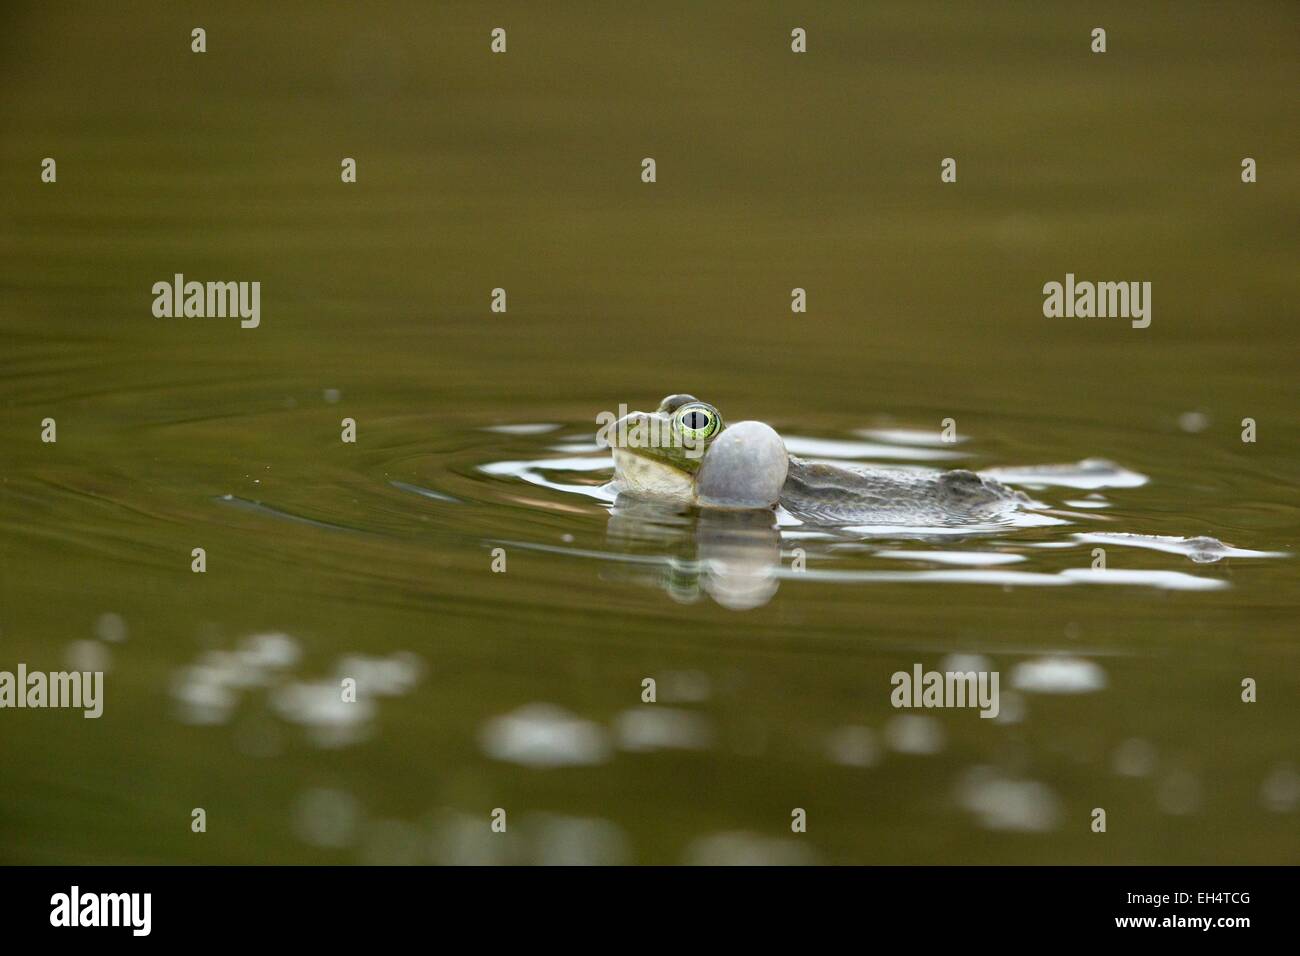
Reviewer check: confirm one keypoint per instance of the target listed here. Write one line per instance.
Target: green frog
(685, 454)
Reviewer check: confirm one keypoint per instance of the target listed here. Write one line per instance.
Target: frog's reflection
(733, 556)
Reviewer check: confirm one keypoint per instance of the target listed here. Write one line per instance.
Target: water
(522, 690)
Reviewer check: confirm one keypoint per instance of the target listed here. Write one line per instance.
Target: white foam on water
(524, 428)
(110, 627)
(1005, 803)
(1134, 757)
(87, 655)
(1089, 473)
(326, 817)
(271, 650)
(1058, 675)
(318, 706)
(653, 727)
(683, 687)
(384, 676)
(841, 450)
(744, 848)
(535, 473)
(545, 736)
(908, 436)
(1202, 550)
(200, 699)
(973, 558)
(1163, 580)
(915, 734)
(1280, 791)
(559, 840)
(1179, 792)
(853, 746)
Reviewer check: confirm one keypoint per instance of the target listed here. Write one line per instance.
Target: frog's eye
(698, 421)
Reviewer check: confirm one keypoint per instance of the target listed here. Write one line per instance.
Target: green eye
(698, 422)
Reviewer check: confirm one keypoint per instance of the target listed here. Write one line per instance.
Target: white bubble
(684, 687)
(544, 735)
(1134, 757)
(332, 395)
(402, 671)
(655, 727)
(914, 734)
(1179, 793)
(1003, 803)
(87, 655)
(230, 668)
(742, 848)
(382, 676)
(110, 627)
(1281, 789)
(1058, 675)
(326, 817)
(1011, 707)
(853, 746)
(576, 841)
(1193, 422)
(320, 708)
(460, 839)
(201, 698)
(273, 650)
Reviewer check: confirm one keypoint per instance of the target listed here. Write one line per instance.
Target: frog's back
(859, 494)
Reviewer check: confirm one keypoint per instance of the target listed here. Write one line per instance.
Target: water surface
(522, 690)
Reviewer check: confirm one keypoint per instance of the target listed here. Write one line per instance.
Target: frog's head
(684, 452)
(658, 454)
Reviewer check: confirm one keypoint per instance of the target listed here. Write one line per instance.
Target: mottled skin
(837, 494)
(812, 491)
(685, 456)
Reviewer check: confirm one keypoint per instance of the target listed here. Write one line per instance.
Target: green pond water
(772, 649)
